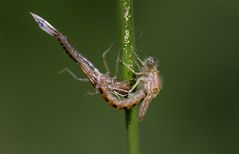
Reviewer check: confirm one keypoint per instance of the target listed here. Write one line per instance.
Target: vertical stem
(127, 49)
(132, 128)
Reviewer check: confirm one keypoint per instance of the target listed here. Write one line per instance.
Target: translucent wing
(44, 25)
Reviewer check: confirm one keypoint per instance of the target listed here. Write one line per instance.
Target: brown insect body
(147, 84)
(96, 78)
(93, 74)
(148, 81)
(151, 84)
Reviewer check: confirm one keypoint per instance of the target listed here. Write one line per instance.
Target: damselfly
(93, 74)
(148, 82)
(147, 85)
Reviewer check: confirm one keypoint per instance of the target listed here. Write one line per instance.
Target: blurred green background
(44, 112)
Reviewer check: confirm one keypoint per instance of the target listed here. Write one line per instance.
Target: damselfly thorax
(148, 81)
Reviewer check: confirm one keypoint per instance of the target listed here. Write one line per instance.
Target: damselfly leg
(67, 70)
(105, 61)
(92, 93)
(126, 65)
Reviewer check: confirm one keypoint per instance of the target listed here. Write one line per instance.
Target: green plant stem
(127, 49)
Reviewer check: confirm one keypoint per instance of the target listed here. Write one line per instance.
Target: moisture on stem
(127, 49)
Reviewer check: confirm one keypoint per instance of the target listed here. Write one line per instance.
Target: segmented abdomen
(124, 103)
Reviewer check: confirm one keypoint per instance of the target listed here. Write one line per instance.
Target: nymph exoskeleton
(148, 81)
(116, 93)
(92, 73)
(110, 89)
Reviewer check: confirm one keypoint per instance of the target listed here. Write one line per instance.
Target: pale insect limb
(117, 64)
(116, 94)
(137, 64)
(142, 63)
(136, 84)
(119, 60)
(120, 90)
(119, 94)
(92, 93)
(105, 61)
(136, 73)
(44, 25)
(124, 103)
(73, 75)
(129, 102)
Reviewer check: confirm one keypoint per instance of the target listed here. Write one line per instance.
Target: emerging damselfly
(116, 93)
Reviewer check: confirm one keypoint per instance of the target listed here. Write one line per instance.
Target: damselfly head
(150, 63)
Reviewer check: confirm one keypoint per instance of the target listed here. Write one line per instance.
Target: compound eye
(150, 61)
